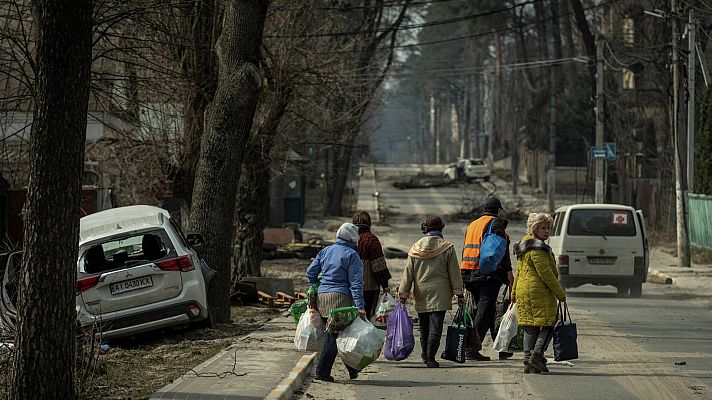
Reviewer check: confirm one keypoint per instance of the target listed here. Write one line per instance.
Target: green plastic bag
(313, 294)
(517, 342)
(340, 318)
(298, 308)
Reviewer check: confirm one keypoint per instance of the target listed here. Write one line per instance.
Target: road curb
(285, 389)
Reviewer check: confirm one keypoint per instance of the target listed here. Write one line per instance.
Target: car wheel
(392, 252)
(622, 289)
(636, 289)
(207, 323)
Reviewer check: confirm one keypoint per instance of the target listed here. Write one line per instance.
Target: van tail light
(563, 265)
(86, 283)
(639, 266)
(183, 263)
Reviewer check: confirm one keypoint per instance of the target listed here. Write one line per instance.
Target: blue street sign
(598, 152)
(610, 151)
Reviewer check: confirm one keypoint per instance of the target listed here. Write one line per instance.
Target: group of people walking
(353, 271)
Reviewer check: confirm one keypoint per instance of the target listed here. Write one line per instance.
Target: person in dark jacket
(485, 288)
(375, 270)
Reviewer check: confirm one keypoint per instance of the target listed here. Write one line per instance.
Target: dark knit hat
(492, 205)
(432, 223)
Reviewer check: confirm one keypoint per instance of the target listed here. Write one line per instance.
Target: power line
(413, 26)
(391, 4)
(474, 35)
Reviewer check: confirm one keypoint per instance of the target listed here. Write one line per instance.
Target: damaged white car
(136, 272)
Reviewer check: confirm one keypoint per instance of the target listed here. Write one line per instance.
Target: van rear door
(602, 242)
(646, 248)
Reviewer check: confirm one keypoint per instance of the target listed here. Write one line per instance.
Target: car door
(133, 277)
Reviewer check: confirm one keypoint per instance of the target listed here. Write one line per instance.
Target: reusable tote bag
(455, 341)
(565, 347)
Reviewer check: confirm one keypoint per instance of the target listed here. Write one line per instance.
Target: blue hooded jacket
(341, 271)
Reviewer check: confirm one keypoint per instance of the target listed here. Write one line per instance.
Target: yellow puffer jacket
(536, 285)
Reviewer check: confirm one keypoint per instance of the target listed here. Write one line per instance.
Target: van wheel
(636, 289)
(622, 289)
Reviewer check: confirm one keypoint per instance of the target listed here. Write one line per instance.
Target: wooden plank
(266, 298)
(281, 296)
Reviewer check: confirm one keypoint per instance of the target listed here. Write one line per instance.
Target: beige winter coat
(432, 272)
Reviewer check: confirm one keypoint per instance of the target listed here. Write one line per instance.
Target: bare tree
(46, 302)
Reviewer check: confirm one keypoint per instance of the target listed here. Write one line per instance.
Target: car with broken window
(136, 272)
(468, 169)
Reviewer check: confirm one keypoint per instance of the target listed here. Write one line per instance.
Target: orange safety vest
(473, 239)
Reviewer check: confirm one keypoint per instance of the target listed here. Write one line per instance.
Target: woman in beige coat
(433, 273)
(535, 291)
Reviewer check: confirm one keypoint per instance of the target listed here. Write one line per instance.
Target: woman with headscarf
(340, 274)
(535, 291)
(432, 272)
(375, 270)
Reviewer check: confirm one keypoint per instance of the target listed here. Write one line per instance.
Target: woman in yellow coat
(535, 291)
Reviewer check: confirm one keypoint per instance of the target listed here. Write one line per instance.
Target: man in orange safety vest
(485, 287)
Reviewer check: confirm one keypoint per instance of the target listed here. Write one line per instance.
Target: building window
(629, 32)
(628, 79)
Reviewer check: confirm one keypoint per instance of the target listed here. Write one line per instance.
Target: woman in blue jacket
(340, 272)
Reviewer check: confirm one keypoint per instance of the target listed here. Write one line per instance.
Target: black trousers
(485, 294)
(431, 330)
(370, 297)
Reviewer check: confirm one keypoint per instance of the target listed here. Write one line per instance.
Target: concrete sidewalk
(262, 364)
(695, 281)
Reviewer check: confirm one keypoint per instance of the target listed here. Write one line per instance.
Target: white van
(602, 244)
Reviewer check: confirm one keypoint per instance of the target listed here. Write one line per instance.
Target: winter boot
(536, 361)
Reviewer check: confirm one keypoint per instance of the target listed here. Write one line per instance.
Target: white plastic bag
(507, 330)
(386, 306)
(360, 344)
(310, 331)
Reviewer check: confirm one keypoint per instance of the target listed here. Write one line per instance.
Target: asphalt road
(656, 347)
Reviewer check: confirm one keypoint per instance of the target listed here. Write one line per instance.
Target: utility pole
(551, 173)
(599, 119)
(683, 244)
(691, 64)
(489, 114)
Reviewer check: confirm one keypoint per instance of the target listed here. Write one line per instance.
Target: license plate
(602, 260)
(133, 284)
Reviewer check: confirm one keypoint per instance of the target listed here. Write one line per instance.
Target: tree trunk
(228, 124)
(588, 40)
(200, 68)
(468, 119)
(553, 122)
(567, 33)
(253, 194)
(44, 362)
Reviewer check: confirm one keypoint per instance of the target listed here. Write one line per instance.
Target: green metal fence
(700, 217)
